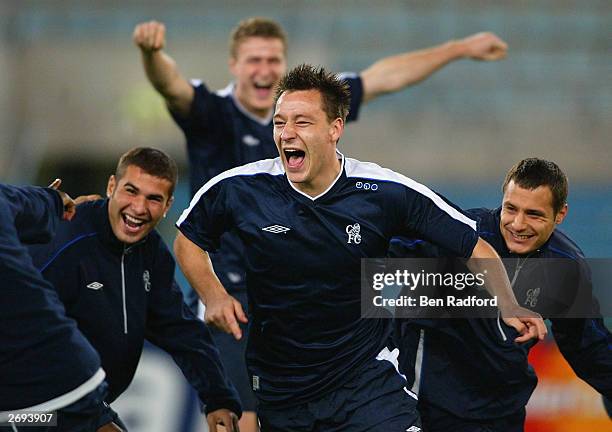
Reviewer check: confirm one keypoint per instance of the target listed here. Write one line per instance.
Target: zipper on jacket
(520, 262)
(125, 329)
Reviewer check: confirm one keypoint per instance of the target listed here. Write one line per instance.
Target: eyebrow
(150, 196)
(535, 212)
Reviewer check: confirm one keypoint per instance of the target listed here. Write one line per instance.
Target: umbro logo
(276, 229)
(413, 429)
(250, 140)
(95, 285)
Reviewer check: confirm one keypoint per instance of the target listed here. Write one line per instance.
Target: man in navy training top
(313, 362)
(490, 378)
(233, 126)
(115, 276)
(46, 364)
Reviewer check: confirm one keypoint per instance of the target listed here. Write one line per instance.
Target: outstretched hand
(69, 204)
(529, 324)
(484, 46)
(224, 312)
(150, 36)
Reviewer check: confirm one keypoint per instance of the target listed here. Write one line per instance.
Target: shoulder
(265, 167)
(371, 171)
(560, 245)
(221, 183)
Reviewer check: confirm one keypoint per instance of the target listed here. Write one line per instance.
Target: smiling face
(137, 202)
(528, 218)
(258, 65)
(306, 140)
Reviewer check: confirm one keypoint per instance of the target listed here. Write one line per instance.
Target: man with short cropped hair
(233, 126)
(475, 378)
(115, 276)
(314, 363)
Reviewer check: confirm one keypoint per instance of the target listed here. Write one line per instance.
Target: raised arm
(485, 259)
(161, 69)
(394, 73)
(222, 310)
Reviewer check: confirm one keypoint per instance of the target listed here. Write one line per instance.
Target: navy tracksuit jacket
(42, 354)
(471, 367)
(121, 295)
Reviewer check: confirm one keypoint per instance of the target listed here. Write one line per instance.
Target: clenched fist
(150, 36)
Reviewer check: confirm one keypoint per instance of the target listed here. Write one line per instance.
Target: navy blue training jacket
(43, 356)
(121, 295)
(471, 367)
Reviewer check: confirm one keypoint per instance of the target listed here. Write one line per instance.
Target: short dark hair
(152, 161)
(256, 27)
(334, 91)
(531, 173)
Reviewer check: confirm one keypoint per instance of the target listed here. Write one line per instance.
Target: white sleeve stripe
(265, 166)
(65, 399)
(355, 168)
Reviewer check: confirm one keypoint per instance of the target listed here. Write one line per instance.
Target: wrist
(457, 49)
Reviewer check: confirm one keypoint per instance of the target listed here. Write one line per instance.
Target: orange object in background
(562, 402)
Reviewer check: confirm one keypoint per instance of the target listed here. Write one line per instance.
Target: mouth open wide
(263, 90)
(132, 224)
(295, 158)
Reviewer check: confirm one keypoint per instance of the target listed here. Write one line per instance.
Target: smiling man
(115, 276)
(314, 363)
(475, 378)
(233, 126)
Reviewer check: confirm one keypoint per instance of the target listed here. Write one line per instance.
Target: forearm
(485, 260)
(394, 73)
(161, 70)
(197, 268)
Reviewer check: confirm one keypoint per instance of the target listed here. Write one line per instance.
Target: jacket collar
(105, 232)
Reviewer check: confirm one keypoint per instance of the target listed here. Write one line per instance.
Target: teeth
(133, 220)
(521, 237)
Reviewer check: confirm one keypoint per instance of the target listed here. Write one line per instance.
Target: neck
(260, 113)
(323, 180)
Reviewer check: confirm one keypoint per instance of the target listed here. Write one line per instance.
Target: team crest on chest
(353, 232)
(146, 280)
(532, 297)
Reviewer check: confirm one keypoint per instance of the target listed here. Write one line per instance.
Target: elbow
(179, 246)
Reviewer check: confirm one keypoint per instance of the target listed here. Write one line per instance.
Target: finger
(84, 198)
(516, 324)
(69, 213)
(240, 312)
(55, 184)
(235, 423)
(541, 328)
(531, 333)
(212, 423)
(137, 34)
(496, 53)
(153, 26)
(232, 324)
(227, 421)
(159, 37)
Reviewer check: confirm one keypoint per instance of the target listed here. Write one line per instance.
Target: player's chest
(286, 229)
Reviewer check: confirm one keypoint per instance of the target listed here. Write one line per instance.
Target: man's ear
(168, 205)
(231, 64)
(561, 214)
(336, 129)
(110, 186)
